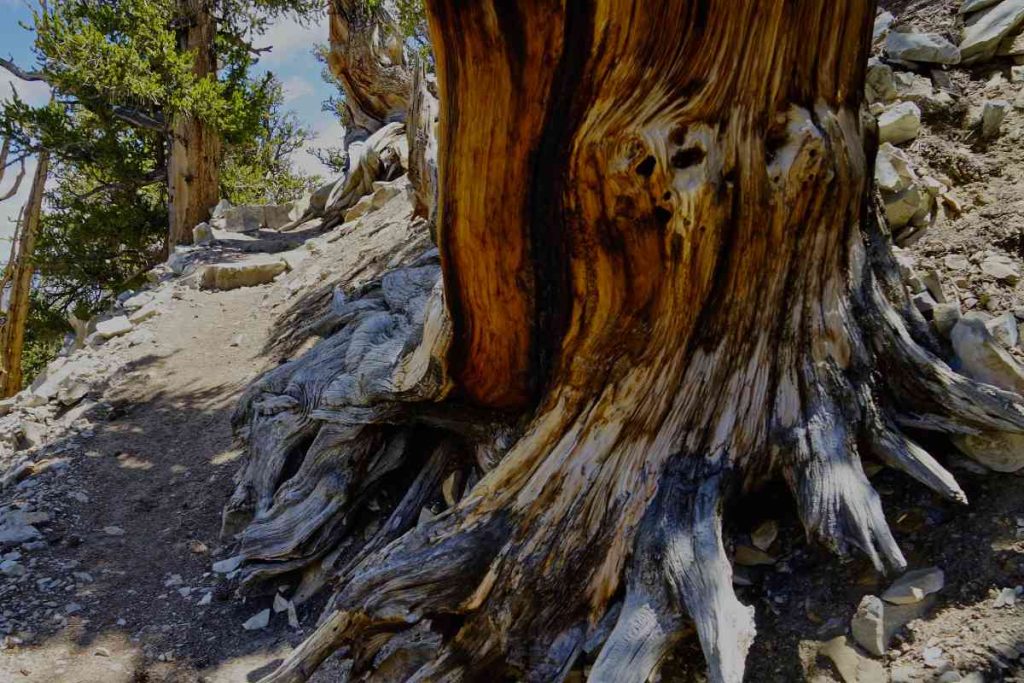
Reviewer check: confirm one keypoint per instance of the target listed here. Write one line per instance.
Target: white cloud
(288, 37)
(329, 133)
(297, 87)
(35, 93)
(10, 208)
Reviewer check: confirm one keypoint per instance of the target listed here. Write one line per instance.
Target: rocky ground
(115, 466)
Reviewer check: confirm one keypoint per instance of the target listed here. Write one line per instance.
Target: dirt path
(125, 560)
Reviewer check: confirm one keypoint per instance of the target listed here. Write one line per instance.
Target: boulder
(243, 219)
(222, 208)
(931, 48)
(257, 270)
(883, 20)
(945, 317)
(1004, 329)
(202, 234)
(893, 172)
(868, 625)
(1001, 268)
(114, 327)
(879, 85)
(982, 357)
(16, 527)
(851, 665)
(914, 586)
(276, 216)
(1011, 46)
(992, 114)
(901, 208)
(998, 451)
(900, 123)
(986, 29)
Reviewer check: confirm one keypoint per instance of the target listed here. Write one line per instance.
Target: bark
(18, 278)
(193, 170)
(662, 282)
(367, 56)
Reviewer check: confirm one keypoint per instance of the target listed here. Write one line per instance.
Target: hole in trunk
(685, 158)
(646, 167)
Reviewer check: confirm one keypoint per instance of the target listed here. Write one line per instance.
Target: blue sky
(291, 60)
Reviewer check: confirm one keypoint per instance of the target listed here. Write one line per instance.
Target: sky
(291, 59)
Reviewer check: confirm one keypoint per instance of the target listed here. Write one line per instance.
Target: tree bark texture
(18, 277)
(367, 55)
(193, 169)
(662, 283)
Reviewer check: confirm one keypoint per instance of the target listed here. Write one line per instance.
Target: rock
(985, 30)
(1017, 73)
(1004, 329)
(882, 23)
(900, 123)
(138, 301)
(764, 535)
(115, 327)
(930, 48)
(113, 531)
(206, 599)
(893, 172)
(222, 207)
(276, 216)
(925, 302)
(934, 657)
(12, 568)
(1007, 597)
(969, 6)
(851, 665)
(229, 565)
(202, 234)
(879, 85)
(903, 207)
(1001, 268)
(180, 260)
(250, 272)
(243, 219)
(1011, 46)
(748, 556)
(945, 317)
(258, 621)
(280, 603)
(293, 617)
(16, 527)
(148, 311)
(992, 114)
(919, 90)
(868, 625)
(914, 586)
(998, 451)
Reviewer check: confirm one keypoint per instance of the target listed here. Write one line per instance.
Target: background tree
(662, 283)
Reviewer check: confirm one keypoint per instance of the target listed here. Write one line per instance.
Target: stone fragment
(113, 531)
(250, 272)
(115, 327)
(148, 311)
(1004, 329)
(280, 603)
(910, 46)
(851, 665)
(911, 87)
(900, 122)
(243, 219)
(1007, 597)
(879, 85)
(883, 20)
(222, 207)
(992, 114)
(229, 565)
(868, 625)
(258, 621)
(12, 568)
(748, 556)
(293, 617)
(914, 586)
(1001, 268)
(893, 172)
(902, 207)
(206, 599)
(202, 234)
(765, 534)
(945, 317)
(998, 451)
(985, 30)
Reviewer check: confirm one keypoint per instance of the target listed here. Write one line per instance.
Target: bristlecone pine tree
(660, 282)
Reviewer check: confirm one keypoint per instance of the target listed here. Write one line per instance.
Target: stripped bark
(663, 284)
(193, 169)
(18, 277)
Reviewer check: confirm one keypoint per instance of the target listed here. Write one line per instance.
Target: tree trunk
(663, 282)
(193, 169)
(18, 276)
(367, 56)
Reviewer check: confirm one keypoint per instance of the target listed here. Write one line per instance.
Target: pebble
(914, 586)
(113, 531)
(258, 621)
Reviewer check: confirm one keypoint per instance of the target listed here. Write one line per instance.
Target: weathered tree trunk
(663, 282)
(367, 56)
(18, 277)
(193, 169)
